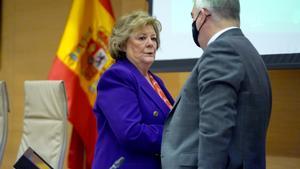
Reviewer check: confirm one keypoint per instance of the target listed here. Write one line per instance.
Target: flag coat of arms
(81, 59)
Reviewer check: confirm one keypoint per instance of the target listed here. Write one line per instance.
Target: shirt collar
(216, 35)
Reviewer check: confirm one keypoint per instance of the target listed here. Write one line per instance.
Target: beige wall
(31, 31)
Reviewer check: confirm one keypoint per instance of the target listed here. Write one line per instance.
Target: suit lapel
(147, 88)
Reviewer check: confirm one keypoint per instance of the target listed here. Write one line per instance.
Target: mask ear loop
(206, 15)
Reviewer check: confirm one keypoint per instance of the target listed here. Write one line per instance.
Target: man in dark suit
(221, 117)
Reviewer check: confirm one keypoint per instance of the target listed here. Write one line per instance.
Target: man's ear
(205, 12)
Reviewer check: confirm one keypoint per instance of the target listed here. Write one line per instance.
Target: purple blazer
(130, 117)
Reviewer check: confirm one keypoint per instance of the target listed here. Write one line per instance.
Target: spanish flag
(81, 58)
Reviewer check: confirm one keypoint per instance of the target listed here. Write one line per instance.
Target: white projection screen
(273, 26)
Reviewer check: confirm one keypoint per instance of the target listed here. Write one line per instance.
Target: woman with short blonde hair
(132, 103)
(125, 26)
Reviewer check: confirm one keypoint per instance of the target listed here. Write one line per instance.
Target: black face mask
(195, 31)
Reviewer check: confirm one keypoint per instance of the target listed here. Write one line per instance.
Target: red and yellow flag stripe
(82, 57)
(95, 27)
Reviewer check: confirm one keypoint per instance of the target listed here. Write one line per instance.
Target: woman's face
(141, 47)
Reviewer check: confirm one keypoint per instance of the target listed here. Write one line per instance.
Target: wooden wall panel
(31, 31)
(284, 130)
(122, 7)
